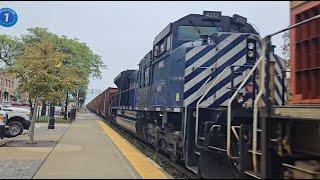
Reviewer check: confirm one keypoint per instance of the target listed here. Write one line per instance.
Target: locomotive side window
(195, 32)
(146, 76)
(162, 46)
(142, 77)
(168, 43)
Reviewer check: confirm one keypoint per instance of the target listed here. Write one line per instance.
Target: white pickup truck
(18, 119)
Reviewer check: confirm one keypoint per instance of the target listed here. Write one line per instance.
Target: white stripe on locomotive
(194, 51)
(216, 65)
(211, 53)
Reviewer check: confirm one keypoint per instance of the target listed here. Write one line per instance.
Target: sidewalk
(19, 160)
(86, 149)
(85, 152)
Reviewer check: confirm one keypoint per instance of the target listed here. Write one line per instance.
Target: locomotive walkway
(88, 149)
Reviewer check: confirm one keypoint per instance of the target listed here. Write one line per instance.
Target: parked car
(16, 104)
(18, 119)
(6, 104)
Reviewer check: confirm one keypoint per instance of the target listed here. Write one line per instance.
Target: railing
(262, 87)
(114, 98)
(186, 112)
(255, 108)
(229, 117)
(199, 101)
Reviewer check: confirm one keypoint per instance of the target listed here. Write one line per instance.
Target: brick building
(8, 85)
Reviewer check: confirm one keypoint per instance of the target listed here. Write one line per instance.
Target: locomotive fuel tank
(127, 120)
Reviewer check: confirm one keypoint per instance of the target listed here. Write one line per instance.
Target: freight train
(206, 95)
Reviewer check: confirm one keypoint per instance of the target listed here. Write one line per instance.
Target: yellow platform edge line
(139, 161)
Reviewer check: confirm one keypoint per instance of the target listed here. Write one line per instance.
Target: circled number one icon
(7, 17)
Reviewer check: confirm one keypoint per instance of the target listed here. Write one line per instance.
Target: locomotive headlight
(250, 46)
(250, 54)
(240, 98)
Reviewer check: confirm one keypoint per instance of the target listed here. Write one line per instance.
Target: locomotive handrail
(260, 93)
(255, 115)
(229, 117)
(198, 103)
(186, 111)
(122, 92)
(293, 26)
(116, 98)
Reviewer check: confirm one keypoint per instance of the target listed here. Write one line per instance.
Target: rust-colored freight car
(101, 103)
(305, 53)
(109, 100)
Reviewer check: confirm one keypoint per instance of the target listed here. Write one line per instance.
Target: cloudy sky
(122, 32)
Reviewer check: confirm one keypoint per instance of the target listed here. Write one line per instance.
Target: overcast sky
(122, 32)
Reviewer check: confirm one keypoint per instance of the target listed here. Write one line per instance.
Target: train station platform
(91, 149)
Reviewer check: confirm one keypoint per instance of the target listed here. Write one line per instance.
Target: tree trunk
(66, 108)
(31, 108)
(33, 122)
(44, 108)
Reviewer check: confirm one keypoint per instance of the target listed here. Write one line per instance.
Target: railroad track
(175, 170)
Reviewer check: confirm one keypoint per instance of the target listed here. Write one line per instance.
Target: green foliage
(43, 72)
(48, 64)
(45, 119)
(80, 56)
(10, 49)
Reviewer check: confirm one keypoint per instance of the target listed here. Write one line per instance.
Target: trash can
(51, 118)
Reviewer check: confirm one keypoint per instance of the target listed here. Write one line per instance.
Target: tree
(78, 56)
(89, 65)
(285, 48)
(10, 49)
(44, 75)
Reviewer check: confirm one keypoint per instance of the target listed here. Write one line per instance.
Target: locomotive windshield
(195, 32)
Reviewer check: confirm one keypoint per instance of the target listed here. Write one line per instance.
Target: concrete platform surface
(86, 152)
(86, 149)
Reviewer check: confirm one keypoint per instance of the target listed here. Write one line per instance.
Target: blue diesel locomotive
(180, 97)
